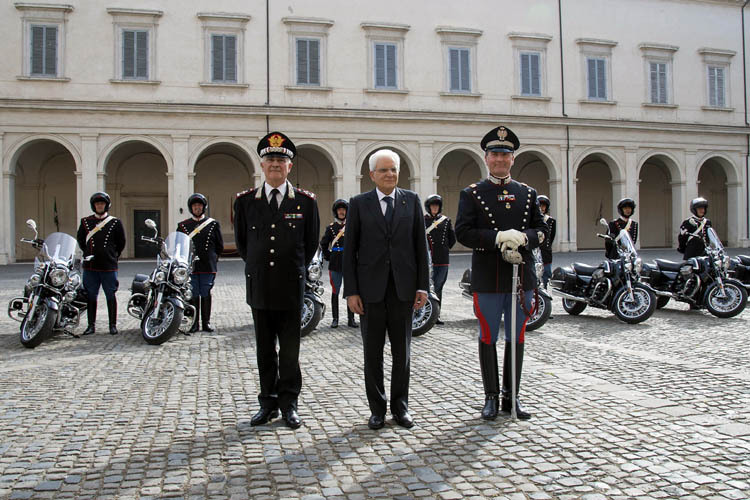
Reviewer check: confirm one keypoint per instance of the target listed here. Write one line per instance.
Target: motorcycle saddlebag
(564, 276)
(139, 283)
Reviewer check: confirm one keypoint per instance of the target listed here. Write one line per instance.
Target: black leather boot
(350, 318)
(335, 310)
(91, 315)
(206, 313)
(508, 380)
(112, 311)
(490, 379)
(196, 302)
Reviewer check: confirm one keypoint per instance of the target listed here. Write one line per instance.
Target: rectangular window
(460, 71)
(223, 58)
(530, 75)
(44, 50)
(135, 54)
(308, 62)
(385, 66)
(597, 78)
(658, 79)
(716, 90)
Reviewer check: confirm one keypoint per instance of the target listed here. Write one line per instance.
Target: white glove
(512, 236)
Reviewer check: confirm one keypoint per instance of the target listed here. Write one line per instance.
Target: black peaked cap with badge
(277, 246)
(487, 207)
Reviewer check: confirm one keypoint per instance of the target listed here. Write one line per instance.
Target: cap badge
(275, 141)
(502, 133)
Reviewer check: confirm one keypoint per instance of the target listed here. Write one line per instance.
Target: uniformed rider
(276, 227)
(692, 239)
(332, 245)
(440, 239)
(209, 244)
(499, 218)
(626, 209)
(101, 236)
(546, 246)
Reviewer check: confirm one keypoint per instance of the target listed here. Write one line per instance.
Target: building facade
(610, 98)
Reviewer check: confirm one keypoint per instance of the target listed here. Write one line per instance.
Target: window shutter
(128, 51)
(591, 75)
(141, 62)
(50, 50)
(230, 58)
(465, 71)
(525, 74)
(654, 78)
(662, 83)
(720, 92)
(712, 101)
(601, 78)
(380, 65)
(302, 76)
(217, 58)
(314, 57)
(535, 76)
(391, 66)
(454, 70)
(37, 50)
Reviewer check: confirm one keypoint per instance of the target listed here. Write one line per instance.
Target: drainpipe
(268, 67)
(747, 136)
(567, 127)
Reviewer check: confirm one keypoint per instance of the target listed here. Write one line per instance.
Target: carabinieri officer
(500, 219)
(276, 229)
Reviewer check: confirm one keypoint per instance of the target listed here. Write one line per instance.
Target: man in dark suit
(276, 229)
(386, 276)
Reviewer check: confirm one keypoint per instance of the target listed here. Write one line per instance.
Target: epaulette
(243, 193)
(473, 185)
(307, 193)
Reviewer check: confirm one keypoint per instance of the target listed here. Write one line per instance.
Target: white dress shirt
(279, 197)
(383, 204)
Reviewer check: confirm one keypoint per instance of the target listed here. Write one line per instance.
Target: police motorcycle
(53, 299)
(541, 302)
(700, 281)
(313, 307)
(161, 301)
(424, 318)
(739, 269)
(614, 284)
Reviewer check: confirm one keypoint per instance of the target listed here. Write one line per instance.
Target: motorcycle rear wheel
(424, 318)
(541, 313)
(33, 333)
(156, 331)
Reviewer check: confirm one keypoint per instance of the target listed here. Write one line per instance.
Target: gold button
(273, 226)
(271, 263)
(273, 238)
(272, 250)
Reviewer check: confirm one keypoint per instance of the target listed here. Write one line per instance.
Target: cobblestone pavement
(657, 410)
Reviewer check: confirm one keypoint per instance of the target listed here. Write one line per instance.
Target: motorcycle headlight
(160, 276)
(718, 263)
(69, 297)
(638, 265)
(628, 266)
(74, 281)
(35, 279)
(57, 277)
(180, 275)
(314, 272)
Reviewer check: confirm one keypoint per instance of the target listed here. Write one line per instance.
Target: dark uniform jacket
(208, 243)
(689, 243)
(440, 240)
(276, 248)
(334, 255)
(372, 251)
(546, 246)
(615, 226)
(486, 208)
(105, 245)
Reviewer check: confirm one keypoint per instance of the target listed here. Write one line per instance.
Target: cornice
(358, 114)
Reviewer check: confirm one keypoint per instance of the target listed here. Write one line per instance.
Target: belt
(337, 249)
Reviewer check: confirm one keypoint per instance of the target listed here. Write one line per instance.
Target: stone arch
(203, 146)
(315, 170)
(473, 151)
(105, 154)
(659, 178)
(406, 182)
(617, 173)
(17, 149)
(456, 169)
(595, 173)
(717, 183)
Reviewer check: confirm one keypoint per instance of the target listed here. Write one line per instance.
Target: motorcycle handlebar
(604, 236)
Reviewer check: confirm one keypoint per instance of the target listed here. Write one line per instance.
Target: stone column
(86, 175)
(7, 205)
(348, 185)
(558, 211)
(632, 178)
(427, 180)
(178, 180)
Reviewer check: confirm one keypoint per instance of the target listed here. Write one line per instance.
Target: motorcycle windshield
(60, 248)
(626, 244)
(179, 247)
(713, 239)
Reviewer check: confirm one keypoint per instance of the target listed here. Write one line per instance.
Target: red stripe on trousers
(483, 326)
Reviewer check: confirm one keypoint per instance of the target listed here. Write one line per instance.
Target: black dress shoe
(264, 416)
(351, 323)
(438, 322)
(335, 323)
(520, 413)
(90, 330)
(113, 330)
(404, 420)
(208, 328)
(291, 419)
(376, 422)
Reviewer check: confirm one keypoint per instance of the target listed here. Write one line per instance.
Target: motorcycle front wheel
(155, 330)
(34, 330)
(731, 304)
(636, 309)
(424, 318)
(312, 313)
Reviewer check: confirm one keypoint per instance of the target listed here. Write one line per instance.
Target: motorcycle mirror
(603, 222)
(151, 224)
(31, 224)
(88, 258)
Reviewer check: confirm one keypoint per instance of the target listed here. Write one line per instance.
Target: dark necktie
(388, 210)
(274, 202)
